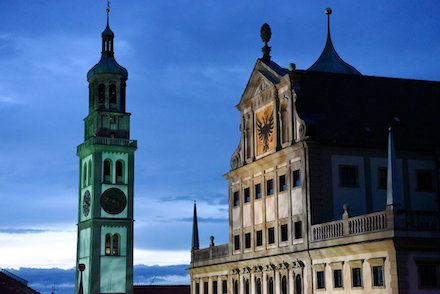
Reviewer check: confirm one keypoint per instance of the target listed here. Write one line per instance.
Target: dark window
(235, 287)
(270, 286)
(236, 199)
(259, 238)
(224, 287)
(298, 285)
(282, 183)
(284, 285)
(356, 277)
(197, 288)
(337, 278)
(247, 195)
(382, 178)
(320, 278)
(113, 93)
(428, 276)
(85, 175)
(298, 230)
(271, 235)
(115, 246)
(348, 176)
(257, 191)
(236, 242)
(101, 93)
(258, 285)
(284, 233)
(247, 240)
(108, 244)
(269, 187)
(378, 276)
(424, 180)
(214, 287)
(119, 171)
(246, 287)
(107, 170)
(296, 178)
(205, 288)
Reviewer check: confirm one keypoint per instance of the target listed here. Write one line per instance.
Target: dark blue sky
(188, 64)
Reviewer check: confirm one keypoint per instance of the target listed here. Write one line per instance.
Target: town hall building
(334, 185)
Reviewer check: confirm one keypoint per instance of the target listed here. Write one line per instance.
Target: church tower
(106, 158)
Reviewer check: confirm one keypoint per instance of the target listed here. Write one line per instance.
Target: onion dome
(329, 60)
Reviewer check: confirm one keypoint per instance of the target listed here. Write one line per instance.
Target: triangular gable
(261, 78)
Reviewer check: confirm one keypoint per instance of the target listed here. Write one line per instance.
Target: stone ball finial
(265, 33)
(328, 11)
(211, 238)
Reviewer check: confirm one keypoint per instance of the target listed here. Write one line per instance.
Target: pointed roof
(195, 245)
(107, 64)
(329, 60)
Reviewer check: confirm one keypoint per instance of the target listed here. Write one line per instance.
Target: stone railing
(367, 223)
(107, 141)
(212, 252)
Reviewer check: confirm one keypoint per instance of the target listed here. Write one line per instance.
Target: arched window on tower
(120, 171)
(107, 170)
(89, 182)
(284, 285)
(84, 183)
(298, 284)
(270, 286)
(108, 244)
(258, 284)
(115, 245)
(101, 93)
(112, 94)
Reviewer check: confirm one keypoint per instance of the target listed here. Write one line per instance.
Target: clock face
(113, 201)
(86, 203)
(264, 130)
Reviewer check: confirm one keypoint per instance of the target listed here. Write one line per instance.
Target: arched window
(115, 244)
(119, 171)
(90, 173)
(284, 285)
(298, 284)
(235, 287)
(112, 94)
(101, 93)
(108, 241)
(270, 286)
(107, 170)
(247, 288)
(258, 286)
(84, 183)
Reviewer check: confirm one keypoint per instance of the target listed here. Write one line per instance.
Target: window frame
(320, 279)
(282, 183)
(284, 232)
(356, 277)
(247, 240)
(338, 279)
(269, 187)
(347, 180)
(259, 238)
(236, 242)
(296, 178)
(271, 235)
(246, 195)
(419, 180)
(236, 198)
(257, 191)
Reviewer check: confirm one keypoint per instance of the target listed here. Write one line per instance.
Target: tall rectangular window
(247, 195)
(284, 232)
(298, 230)
(224, 287)
(205, 288)
(271, 235)
(320, 280)
(236, 199)
(356, 277)
(259, 238)
(428, 275)
(258, 191)
(197, 288)
(348, 176)
(214, 287)
(282, 183)
(247, 240)
(337, 278)
(236, 242)
(382, 178)
(424, 180)
(269, 187)
(378, 276)
(296, 178)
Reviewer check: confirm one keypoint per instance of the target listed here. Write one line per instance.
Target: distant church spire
(392, 184)
(195, 245)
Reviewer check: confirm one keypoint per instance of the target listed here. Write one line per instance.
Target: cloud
(22, 231)
(209, 198)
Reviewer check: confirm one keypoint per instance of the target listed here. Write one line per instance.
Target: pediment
(262, 78)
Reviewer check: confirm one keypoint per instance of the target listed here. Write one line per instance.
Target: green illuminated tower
(106, 158)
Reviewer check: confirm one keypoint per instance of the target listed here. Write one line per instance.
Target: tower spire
(195, 245)
(328, 11)
(108, 11)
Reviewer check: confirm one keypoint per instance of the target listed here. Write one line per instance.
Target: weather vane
(108, 10)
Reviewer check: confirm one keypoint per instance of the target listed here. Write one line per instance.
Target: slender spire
(328, 11)
(108, 11)
(392, 184)
(195, 233)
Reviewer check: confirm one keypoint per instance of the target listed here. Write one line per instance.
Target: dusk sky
(188, 64)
